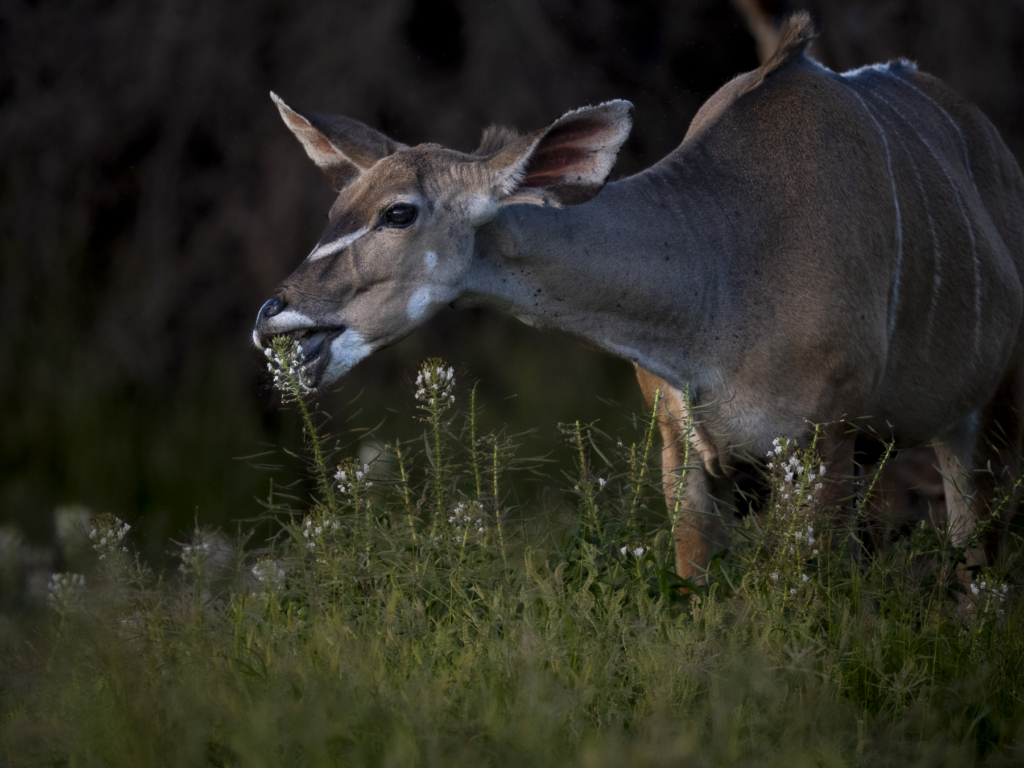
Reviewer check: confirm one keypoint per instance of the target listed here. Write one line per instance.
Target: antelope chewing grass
(835, 249)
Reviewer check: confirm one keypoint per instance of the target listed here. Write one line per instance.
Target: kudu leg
(956, 463)
(836, 447)
(693, 488)
(980, 463)
(690, 489)
(690, 493)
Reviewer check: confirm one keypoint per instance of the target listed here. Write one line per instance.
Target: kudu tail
(794, 37)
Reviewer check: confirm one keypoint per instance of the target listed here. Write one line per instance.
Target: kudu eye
(400, 215)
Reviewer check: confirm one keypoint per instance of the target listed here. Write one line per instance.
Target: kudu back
(836, 249)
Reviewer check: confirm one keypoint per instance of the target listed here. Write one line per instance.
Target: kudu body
(821, 247)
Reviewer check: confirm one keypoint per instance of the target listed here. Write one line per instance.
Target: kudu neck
(635, 270)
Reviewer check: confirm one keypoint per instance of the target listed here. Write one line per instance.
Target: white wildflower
(269, 572)
(435, 384)
(315, 527)
(63, 589)
(285, 363)
(462, 518)
(107, 534)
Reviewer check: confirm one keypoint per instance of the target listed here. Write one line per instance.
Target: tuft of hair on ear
(495, 139)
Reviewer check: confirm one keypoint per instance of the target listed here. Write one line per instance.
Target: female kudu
(822, 248)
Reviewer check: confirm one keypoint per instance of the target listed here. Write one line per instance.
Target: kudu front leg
(698, 524)
(690, 489)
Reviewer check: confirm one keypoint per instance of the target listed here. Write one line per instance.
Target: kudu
(822, 248)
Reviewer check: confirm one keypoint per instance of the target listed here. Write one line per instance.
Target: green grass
(418, 615)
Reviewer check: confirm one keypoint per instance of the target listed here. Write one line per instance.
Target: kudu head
(400, 236)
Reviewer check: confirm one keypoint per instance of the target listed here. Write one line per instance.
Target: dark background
(151, 199)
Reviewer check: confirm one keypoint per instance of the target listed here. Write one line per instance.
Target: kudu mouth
(313, 341)
(313, 347)
(315, 356)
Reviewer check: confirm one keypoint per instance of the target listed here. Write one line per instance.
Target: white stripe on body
(945, 114)
(936, 252)
(963, 212)
(334, 246)
(899, 218)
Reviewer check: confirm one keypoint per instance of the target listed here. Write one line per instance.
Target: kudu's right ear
(566, 163)
(341, 148)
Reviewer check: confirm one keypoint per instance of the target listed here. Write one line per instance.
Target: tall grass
(411, 612)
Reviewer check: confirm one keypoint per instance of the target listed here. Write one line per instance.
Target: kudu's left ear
(568, 162)
(342, 148)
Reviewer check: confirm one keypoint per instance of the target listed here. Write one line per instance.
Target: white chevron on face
(336, 246)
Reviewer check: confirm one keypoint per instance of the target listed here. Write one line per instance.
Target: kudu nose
(267, 311)
(271, 308)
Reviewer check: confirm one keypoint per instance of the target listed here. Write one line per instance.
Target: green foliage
(410, 613)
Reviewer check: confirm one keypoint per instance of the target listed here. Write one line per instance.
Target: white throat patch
(346, 350)
(328, 249)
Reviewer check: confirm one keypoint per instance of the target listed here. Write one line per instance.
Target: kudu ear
(566, 163)
(341, 148)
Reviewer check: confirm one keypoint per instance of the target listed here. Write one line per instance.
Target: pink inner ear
(322, 145)
(312, 138)
(568, 150)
